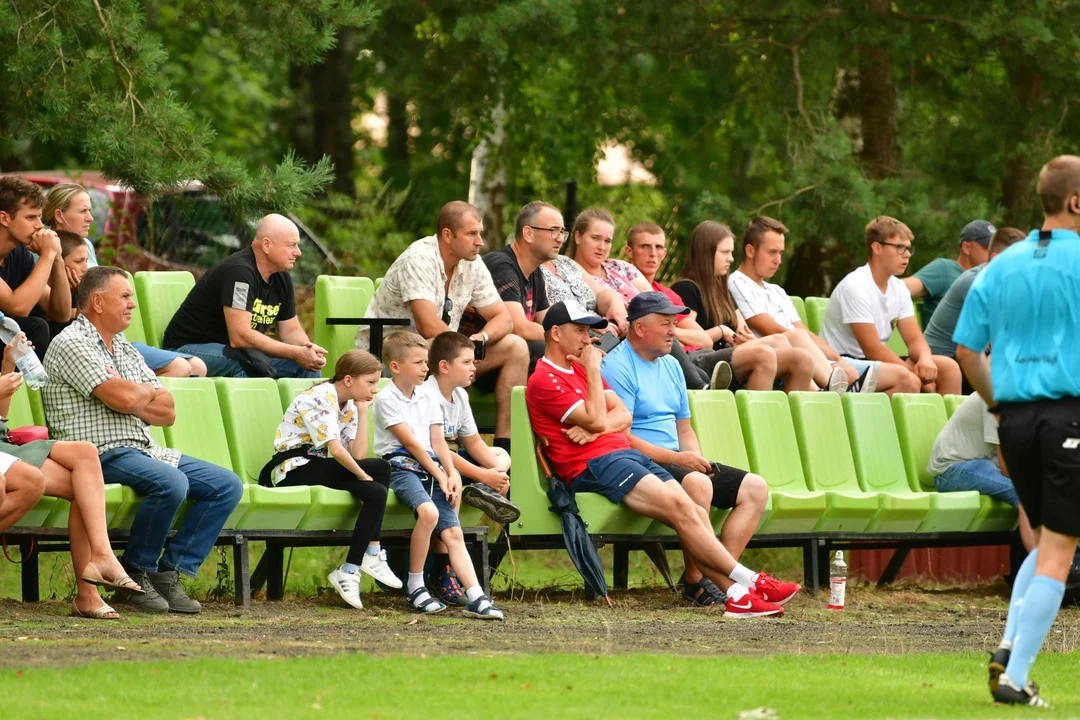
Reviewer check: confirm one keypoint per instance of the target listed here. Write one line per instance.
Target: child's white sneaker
(376, 567)
(348, 587)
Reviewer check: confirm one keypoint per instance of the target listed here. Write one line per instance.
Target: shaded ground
(891, 621)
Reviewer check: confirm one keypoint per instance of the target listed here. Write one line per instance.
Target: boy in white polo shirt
(871, 302)
(409, 435)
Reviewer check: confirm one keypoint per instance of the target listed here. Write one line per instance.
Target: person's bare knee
(502, 459)
(452, 536)
(753, 492)
(179, 368)
(427, 515)
(27, 481)
(198, 367)
(699, 487)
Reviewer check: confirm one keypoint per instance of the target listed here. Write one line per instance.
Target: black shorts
(726, 482)
(1040, 442)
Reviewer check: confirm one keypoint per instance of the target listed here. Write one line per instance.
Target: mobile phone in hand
(479, 350)
(608, 341)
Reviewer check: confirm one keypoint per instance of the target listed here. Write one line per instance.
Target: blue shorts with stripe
(615, 474)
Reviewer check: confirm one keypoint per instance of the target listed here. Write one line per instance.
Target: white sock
(737, 592)
(415, 581)
(1005, 645)
(743, 575)
(474, 592)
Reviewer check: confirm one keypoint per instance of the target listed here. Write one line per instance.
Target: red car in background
(186, 229)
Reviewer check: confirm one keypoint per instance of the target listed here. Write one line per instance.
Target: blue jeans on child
(983, 476)
(214, 491)
(217, 365)
(414, 487)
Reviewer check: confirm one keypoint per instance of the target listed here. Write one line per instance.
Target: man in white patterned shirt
(432, 283)
(100, 390)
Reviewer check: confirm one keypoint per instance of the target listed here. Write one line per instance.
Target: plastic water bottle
(837, 581)
(26, 360)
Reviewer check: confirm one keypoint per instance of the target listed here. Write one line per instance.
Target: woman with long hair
(590, 247)
(703, 287)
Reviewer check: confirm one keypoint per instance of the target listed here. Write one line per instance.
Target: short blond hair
(883, 227)
(397, 343)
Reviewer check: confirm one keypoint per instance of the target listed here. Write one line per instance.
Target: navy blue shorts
(617, 473)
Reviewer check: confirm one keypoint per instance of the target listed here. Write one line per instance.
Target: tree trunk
(877, 101)
(332, 102)
(1028, 91)
(397, 140)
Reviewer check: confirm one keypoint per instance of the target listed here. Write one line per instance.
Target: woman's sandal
(92, 575)
(101, 612)
(421, 600)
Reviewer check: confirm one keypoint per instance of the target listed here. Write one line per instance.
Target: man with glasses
(515, 269)
(431, 284)
(872, 301)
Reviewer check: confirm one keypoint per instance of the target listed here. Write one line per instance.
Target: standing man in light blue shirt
(1028, 309)
(650, 383)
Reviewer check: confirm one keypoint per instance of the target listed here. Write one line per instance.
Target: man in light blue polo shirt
(1027, 307)
(650, 383)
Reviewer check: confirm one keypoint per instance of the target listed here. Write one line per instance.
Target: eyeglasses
(903, 250)
(561, 233)
(447, 306)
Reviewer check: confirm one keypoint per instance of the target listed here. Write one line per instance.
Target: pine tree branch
(128, 84)
(781, 201)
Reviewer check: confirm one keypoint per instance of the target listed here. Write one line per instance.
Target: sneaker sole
(767, 613)
(478, 616)
(838, 381)
(341, 593)
(195, 611)
(783, 602)
(996, 671)
(156, 610)
(721, 376)
(501, 512)
(388, 582)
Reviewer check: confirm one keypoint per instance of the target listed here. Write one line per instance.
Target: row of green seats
(231, 422)
(852, 463)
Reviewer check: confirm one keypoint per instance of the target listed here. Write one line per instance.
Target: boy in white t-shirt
(872, 301)
(409, 435)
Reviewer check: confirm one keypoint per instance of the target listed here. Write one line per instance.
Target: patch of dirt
(893, 621)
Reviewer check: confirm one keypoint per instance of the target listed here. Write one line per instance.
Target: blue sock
(1037, 615)
(1020, 587)
(350, 568)
(373, 550)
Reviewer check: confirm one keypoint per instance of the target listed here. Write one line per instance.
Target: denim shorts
(413, 490)
(983, 476)
(617, 473)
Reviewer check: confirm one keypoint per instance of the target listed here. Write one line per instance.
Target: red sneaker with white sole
(750, 606)
(774, 591)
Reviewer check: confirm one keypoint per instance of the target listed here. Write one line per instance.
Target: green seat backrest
(919, 419)
(136, 331)
(251, 413)
(823, 441)
(800, 307)
(19, 413)
(896, 343)
(715, 420)
(339, 297)
(378, 282)
(198, 430)
(952, 402)
(160, 295)
(770, 439)
(815, 313)
(875, 446)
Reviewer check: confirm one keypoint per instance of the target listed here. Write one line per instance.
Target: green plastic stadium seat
(896, 343)
(136, 331)
(952, 402)
(339, 297)
(879, 464)
(37, 407)
(815, 312)
(39, 514)
(529, 489)
(160, 295)
(483, 408)
(826, 458)
(800, 307)
(774, 455)
(378, 282)
(251, 412)
(20, 414)
(715, 420)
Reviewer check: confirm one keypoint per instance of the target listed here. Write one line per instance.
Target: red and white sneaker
(750, 606)
(774, 591)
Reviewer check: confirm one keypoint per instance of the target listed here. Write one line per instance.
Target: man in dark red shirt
(585, 425)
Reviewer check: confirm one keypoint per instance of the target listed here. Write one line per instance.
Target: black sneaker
(1009, 694)
(149, 600)
(494, 505)
(167, 583)
(998, 660)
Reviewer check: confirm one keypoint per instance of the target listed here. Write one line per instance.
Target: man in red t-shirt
(585, 425)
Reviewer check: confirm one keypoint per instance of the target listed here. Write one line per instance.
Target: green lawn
(527, 686)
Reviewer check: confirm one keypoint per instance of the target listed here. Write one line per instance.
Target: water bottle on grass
(837, 581)
(26, 360)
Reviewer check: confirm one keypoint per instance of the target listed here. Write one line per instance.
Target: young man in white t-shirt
(872, 301)
(768, 310)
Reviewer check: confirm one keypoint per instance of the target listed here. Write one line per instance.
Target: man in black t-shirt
(25, 284)
(515, 270)
(239, 300)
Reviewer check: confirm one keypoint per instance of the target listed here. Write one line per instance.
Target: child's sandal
(421, 599)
